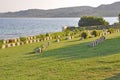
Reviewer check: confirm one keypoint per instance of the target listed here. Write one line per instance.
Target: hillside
(67, 60)
(110, 10)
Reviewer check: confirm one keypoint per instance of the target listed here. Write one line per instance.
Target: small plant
(76, 31)
(47, 34)
(37, 36)
(84, 35)
(95, 33)
(111, 30)
(42, 36)
(22, 39)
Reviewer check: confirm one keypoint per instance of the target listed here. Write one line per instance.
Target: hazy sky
(15, 5)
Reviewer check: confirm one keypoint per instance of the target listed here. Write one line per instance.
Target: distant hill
(110, 10)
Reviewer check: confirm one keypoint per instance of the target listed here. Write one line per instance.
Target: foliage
(22, 39)
(37, 36)
(56, 34)
(47, 34)
(95, 33)
(42, 36)
(92, 21)
(111, 30)
(84, 35)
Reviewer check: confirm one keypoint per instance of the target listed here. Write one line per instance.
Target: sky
(16, 5)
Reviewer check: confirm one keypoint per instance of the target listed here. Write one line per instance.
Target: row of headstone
(16, 42)
(11, 41)
(31, 37)
(117, 30)
(69, 37)
(12, 45)
(97, 41)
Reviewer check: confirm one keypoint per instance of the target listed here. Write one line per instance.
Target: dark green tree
(92, 21)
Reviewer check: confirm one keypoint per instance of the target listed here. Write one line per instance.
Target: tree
(92, 21)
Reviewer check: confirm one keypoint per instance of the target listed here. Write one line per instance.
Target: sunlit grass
(67, 60)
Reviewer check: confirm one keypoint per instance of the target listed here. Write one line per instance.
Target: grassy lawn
(67, 60)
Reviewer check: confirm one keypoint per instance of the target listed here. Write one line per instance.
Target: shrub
(47, 34)
(22, 39)
(37, 36)
(111, 30)
(92, 21)
(56, 34)
(95, 33)
(42, 36)
(84, 35)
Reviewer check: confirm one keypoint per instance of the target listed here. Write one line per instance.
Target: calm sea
(16, 27)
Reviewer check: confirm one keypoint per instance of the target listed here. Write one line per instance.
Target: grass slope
(67, 60)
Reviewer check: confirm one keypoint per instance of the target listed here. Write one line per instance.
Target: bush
(37, 36)
(22, 39)
(92, 21)
(56, 34)
(111, 30)
(95, 33)
(47, 34)
(1, 43)
(84, 35)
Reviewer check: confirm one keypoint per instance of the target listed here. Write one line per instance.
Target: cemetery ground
(66, 60)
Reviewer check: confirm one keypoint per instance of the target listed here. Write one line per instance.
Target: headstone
(48, 43)
(13, 45)
(21, 43)
(4, 41)
(31, 41)
(37, 40)
(34, 40)
(18, 43)
(8, 45)
(15, 40)
(38, 50)
(58, 40)
(97, 41)
(72, 37)
(44, 39)
(43, 47)
(68, 37)
(3, 46)
(50, 38)
(27, 41)
(82, 38)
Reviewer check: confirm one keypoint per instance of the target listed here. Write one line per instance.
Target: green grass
(67, 60)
